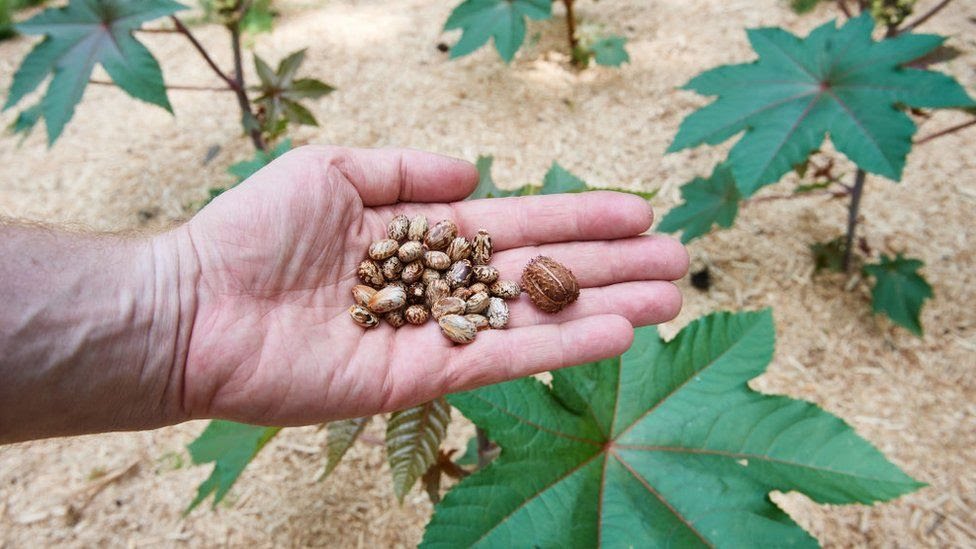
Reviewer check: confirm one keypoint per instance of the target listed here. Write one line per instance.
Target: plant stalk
(924, 17)
(947, 131)
(240, 90)
(842, 4)
(852, 212)
(177, 87)
(571, 30)
(483, 446)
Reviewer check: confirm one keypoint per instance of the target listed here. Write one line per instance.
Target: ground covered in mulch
(125, 165)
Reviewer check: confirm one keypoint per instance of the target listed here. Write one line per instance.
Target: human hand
(271, 265)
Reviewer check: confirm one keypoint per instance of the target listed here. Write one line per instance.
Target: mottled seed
(447, 306)
(418, 228)
(412, 272)
(478, 287)
(437, 290)
(388, 299)
(486, 274)
(382, 249)
(362, 316)
(459, 248)
(416, 292)
(395, 318)
(430, 275)
(505, 289)
(392, 268)
(477, 303)
(458, 329)
(497, 313)
(462, 293)
(460, 274)
(437, 260)
(370, 273)
(362, 294)
(410, 251)
(397, 230)
(481, 248)
(416, 314)
(440, 235)
(479, 321)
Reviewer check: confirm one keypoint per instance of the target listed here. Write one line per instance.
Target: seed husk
(362, 316)
(458, 329)
(551, 285)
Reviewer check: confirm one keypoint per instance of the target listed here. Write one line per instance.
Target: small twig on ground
(947, 131)
(924, 17)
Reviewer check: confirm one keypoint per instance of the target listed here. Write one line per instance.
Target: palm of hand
(273, 343)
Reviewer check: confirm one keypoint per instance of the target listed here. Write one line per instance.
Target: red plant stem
(924, 17)
(483, 446)
(160, 31)
(240, 90)
(842, 4)
(181, 28)
(791, 196)
(947, 131)
(170, 86)
(571, 29)
(852, 211)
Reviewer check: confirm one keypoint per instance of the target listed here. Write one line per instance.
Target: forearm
(91, 336)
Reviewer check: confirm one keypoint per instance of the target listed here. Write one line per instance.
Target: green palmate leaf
(340, 437)
(413, 437)
(486, 185)
(76, 38)
(470, 456)
(558, 180)
(501, 20)
(281, 93)
(707, 202)
(899, 291)
(230, 446)
(664, 446)
(246, 168)
(837, 81)
(610, 51)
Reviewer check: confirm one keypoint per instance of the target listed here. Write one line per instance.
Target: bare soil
(123, 165)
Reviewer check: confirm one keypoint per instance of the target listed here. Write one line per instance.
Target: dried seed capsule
(437, 260)
(395, 318)
(440, 235)
(457, 328)
(362, 294)
(462, 293)
(505, 289)
(481, 248)
(382, 249)
(437, 290)
(460, 274)
(370, 273)
(497, 313)
(416, 314)
(418, 228)
(459, 248)
(392, 268)
(362, 316)
(478, 287)
(447, 306)
(416, 293)
(486, 274)
(430, 275)
(550, 285)
(388, 299)
(479, 321)
(410, 251)
(397, 229)
(412, 271)
(477, 303)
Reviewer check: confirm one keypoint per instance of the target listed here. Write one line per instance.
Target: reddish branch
(571, 29)
(947, 131)
(852, 212)
(842, 4)
(924, 17)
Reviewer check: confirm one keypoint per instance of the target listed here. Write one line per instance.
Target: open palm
(275, 259)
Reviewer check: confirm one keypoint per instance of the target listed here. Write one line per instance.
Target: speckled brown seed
(459, 274)
(505, 289)
(458, 329)
(392, 267)
(362, 316)
(410, 251)
(447, 306)
(416, 293)
(497, 313)
(416, 314)
(480, 321)
(437, 260)
(397, 229)
(481, 248)
(459, 248)
(412, 272)
(362, 294)
(388, 299)
(370, 273)
(486, 274)
(437, 290)
(395, 318)
(551, 285)
(440, 235)
(418, 228)
(477, 303)
(382, 249)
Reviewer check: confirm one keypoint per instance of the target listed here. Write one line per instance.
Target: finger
(641, 303)
(501, 355)
(387, 176)
(652, 257)
(533, 220)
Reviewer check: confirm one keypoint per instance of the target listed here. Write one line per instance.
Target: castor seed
(497, 313)
(477, 303)
(416, 314)
(416, 293)
(392, 267)
(370, 273)
(447, 306)
(459, 274)
(410, 251)
(480, 321)
(418, 228)
(382, 249)
(437, 260)
(362, 316)
(481, 248)
(440, 235)
(362, 294)
(395, 318)
(459, 248)
(486, 274)
(437, 290)
(551, 285)
(462, 293)
(388, 299)
(430, 275)
(412, 272)
(398, 227)
(505, 289)
(478, 287)
(457, 328)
